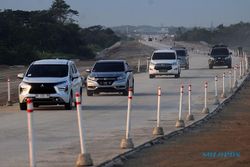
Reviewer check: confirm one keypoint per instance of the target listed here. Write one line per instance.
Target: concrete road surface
(56, 130)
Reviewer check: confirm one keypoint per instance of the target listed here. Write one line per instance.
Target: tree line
(26, 36)
(233, 35)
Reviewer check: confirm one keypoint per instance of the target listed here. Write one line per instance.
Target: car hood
(106, 74)
(44, 80)
(163, 61)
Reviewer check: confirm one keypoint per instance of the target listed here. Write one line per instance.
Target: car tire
(229, 66)
(90, 93)
(210, 66)
(23, 106)
(125, 92)
(177, 75)
(151, 76)
(68, 106)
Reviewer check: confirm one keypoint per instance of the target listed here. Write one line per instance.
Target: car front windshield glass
(181, 53)
(164, 56)
(219, 51)
(109, 67)
(47, 70)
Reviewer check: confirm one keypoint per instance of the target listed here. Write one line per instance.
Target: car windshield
(163, 56)
(109, 67)
(219, 51)
(181, 53)
(47, 70)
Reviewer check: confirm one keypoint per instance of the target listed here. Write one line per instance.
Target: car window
(163, 56)
(220, 51)
(181, 52)
(47, 70)
(74, 68)
(109, 67)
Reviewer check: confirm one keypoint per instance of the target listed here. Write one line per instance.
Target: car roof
(52, 61)
(179, 48)
(164, 51)
(108, 61)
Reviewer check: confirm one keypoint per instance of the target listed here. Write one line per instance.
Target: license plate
(165, 70)
(42, 96)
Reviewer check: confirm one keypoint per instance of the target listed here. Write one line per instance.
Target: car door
(74, 80)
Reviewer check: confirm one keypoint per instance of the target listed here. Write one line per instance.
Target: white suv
(164, 62)
(50, 82)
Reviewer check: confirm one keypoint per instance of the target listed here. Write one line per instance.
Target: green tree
(62, 11)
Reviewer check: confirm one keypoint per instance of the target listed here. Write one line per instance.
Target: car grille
(106, 81)
(42, 88)
(163, 66)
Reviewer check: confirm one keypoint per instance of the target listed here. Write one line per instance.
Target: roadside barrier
(158, 130)
(139, 65)
(127, 143)
(190, 116)
(9, 102)
(223, 95)
(216, 99)
(240, 70)
(235, 77)
(205, 110)
(246, 61)
(32, 159)
(243, 66)
(180, 123)
(84, 158)
(147, 66)
(230, 81)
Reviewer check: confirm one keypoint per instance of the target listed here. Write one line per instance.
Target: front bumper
(173, 71)
(116, 86)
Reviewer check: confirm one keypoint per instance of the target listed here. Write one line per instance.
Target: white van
(164, 62)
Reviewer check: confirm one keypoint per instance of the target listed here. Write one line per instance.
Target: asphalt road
(56, 130)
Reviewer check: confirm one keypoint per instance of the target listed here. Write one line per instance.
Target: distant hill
(146, 29)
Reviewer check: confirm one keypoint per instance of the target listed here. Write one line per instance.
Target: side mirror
(130, 70)
(88, 70)
(20, 75)
(230, 53)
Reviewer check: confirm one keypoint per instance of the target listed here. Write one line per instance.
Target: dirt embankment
(222, 141)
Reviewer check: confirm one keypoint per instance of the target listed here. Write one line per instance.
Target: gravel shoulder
(227, 132)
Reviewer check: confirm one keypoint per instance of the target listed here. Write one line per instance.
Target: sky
(188, 13)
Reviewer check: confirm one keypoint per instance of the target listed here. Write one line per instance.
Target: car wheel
(229, 66)
(68, 106)
(90, 93)
(210, 66)
(23, 106)
(151, 76)
(177, 75)
(125, 92)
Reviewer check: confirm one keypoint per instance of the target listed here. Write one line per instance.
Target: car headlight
(24, 87)
(63, 86)
(91, 78)
(152, 64)
(122, 77)
(211, 58)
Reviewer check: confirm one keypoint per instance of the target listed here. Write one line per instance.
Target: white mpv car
(50, 82)
(164, 62)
